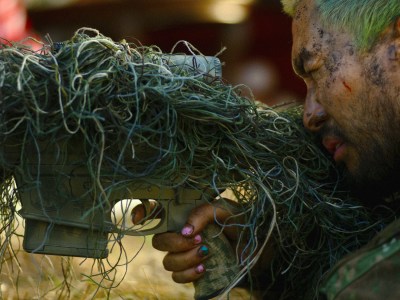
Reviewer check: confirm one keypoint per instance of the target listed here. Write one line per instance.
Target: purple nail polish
(197, 239)
(200, 269)
(187, 230)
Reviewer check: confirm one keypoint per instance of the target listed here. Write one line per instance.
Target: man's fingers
(175, 242)
(142, 212)
(189, 275)
(187, 250)
(219, 211)
(177, 262)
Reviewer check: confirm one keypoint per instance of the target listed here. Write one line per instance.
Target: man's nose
(314, 115)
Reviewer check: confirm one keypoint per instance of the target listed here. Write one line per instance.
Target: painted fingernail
(200, 269)
(203, 251)
(187, 230)
(197, 239)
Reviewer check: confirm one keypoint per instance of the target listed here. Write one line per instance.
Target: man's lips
(334, 146)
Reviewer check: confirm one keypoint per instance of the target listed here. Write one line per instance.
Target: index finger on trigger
(146, 211)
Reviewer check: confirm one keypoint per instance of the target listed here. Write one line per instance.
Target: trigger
(147, 207)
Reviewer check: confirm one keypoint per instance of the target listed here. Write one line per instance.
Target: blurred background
(256, 34)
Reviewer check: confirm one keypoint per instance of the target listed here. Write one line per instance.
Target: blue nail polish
(203, 251)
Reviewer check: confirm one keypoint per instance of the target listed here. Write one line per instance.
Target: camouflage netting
(85, 118)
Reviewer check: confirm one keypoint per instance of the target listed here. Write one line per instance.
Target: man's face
(353, 97)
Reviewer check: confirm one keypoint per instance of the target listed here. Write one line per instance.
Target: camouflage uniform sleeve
(373, 272)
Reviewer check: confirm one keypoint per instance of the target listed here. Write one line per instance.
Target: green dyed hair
(365, 19)
(289, 6)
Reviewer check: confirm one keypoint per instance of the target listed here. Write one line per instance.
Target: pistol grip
(221, 266)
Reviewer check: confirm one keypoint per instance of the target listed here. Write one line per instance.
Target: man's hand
(186, 250)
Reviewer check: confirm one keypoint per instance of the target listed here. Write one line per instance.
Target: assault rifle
(65, 215)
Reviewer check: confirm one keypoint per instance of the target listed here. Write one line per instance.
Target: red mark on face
(346, 86)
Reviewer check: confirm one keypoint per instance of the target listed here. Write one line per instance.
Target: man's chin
(371, 191)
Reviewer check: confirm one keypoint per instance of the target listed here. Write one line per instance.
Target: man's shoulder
(373, 270)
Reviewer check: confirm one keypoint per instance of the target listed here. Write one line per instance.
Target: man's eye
(312, 72)
(310, 69)
(312, 66)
